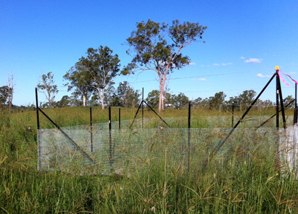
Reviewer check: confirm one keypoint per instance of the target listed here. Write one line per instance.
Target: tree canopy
(102, 66)
(48, 87)
(152, 50)
(80, 80)
(4, 94)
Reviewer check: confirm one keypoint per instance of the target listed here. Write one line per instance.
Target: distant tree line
(124, 95)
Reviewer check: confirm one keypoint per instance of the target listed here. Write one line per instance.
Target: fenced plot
(128, 150)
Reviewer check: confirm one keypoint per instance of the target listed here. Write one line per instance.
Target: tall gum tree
(48, 87)
(103, 67)
(79, 81)
(152, 50)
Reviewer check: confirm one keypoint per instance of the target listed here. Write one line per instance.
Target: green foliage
(153, 98)
(154, 51)
(5, 93)
(125, 96)
(96, 72)
(151, 50)
(246, 98)
(217, 100)
(102, 65)
(48, 87)
(80, 80)
(180, 100)
(64, 102)
(287, 100)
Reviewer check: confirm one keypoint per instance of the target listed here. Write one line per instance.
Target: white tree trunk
(84, 100)
(11, 91)
(161, 89)
(162, 81)
(101, 93)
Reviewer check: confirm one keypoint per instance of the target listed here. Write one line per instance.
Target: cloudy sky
(245, 40)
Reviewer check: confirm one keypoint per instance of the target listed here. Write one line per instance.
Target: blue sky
(245, 40)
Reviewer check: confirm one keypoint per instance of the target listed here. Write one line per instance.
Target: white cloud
(223, 64)
(226, 64)
(263, 76)
(200, 79)
(242, 57)
(192, 63)
(253, 60)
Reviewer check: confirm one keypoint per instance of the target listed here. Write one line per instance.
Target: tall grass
(248, 180)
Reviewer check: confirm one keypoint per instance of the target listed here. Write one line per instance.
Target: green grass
(247, 180)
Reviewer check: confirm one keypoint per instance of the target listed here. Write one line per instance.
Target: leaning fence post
(282, 105)
(38, 127)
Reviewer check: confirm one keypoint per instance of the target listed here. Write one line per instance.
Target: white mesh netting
(130, 149)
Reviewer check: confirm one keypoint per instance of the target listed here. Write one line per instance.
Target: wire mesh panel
(129, 150)
(288, 148)
(57, 152)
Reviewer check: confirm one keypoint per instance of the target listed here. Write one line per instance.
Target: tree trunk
(10, 87)
(84, 100)
(160, 96)
(101, 96)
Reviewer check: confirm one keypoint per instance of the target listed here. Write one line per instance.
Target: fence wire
(129, 150)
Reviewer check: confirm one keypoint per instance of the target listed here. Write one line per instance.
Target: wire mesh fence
(128, 150)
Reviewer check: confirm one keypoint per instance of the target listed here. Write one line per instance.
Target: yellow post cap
(276, 67)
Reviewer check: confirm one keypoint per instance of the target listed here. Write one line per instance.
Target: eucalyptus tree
(4, 94)
(10, 90)
(287, 100)
(246, 98)
(65, 101)
(80, 80)
(126, 95)
(180, 100)
(103, 67)
(48, 87)
(217, 100)
(152, 50)
(153, 98)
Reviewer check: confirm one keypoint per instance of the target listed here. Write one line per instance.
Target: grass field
(246, 178)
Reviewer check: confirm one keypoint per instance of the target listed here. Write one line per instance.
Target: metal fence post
(119, 118)
(110, 137)
(142, 107)
(91, 130)
(38, 127)
(37, 112)
(277, 98)
(189, 134)
(295, 110)
(233, 107)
